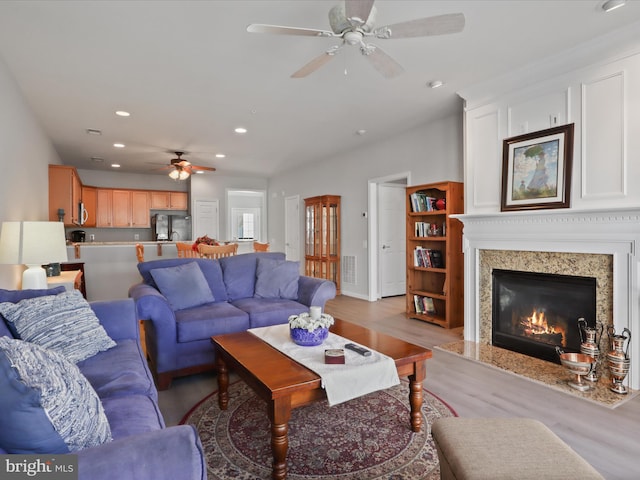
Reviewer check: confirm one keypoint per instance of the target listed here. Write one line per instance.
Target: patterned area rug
(366, 438)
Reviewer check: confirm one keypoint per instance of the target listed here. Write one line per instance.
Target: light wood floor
(608, 439)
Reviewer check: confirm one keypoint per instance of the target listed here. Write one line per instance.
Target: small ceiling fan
(353, 22)
(180, 169)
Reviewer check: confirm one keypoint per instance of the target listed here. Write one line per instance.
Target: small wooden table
(285, 384)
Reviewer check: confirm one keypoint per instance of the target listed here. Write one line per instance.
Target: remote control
(358, 349)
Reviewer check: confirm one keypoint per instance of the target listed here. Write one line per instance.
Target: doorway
(292, 228)
(386, 188)
(206, 220)
(392, 240)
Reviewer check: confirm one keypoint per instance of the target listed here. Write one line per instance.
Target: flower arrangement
(306, 322)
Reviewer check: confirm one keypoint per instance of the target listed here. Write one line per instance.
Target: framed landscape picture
(536, 169)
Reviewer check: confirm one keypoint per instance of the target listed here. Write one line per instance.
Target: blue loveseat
(141, 448)
(242, 291)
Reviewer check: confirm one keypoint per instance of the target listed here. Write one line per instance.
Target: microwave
(83, 215)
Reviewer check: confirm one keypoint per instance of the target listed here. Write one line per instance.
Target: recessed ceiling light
(362, 131)
(436, 84)
(118, 145)
(122, 113)
(240, 130)
(199, 172)
(115, 165)
(610, 5)
(93, 131)
(220, 155)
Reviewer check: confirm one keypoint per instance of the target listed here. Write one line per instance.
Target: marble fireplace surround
(597, 243)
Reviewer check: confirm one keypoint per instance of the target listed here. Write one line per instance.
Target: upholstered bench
(505, 448)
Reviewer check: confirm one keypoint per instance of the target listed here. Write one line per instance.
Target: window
(245, 223)
(246, 211)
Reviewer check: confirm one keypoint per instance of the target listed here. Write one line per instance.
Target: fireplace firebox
(532, 313)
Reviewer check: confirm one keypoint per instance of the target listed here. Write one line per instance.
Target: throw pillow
(47, 405)
(64, 323)
(277, 278)
(184, 286)
(14, 296)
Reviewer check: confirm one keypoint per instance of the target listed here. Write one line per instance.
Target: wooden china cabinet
(322, 238)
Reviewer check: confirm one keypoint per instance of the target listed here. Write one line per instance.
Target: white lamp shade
(33, 244)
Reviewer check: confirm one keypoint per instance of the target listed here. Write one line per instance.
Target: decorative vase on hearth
(618, 358)
(590, 338)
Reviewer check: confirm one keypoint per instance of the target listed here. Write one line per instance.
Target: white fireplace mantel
(614, 232)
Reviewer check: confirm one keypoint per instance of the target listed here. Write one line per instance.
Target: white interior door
(392, 240)
(292, 228)
(206, 220)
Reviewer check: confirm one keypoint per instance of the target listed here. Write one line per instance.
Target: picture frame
(536, 169)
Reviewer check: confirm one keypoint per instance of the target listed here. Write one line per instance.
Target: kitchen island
(111, 267)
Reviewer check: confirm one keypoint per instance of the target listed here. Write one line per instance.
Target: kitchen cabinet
(123, 208)
(169, 200)
(104, 207)
(89, 199)
(65, 192)
(130, 208)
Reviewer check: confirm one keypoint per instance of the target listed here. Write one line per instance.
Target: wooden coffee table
(285, 384)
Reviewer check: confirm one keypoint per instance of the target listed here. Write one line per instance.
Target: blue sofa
(179, 340)
(142, 448)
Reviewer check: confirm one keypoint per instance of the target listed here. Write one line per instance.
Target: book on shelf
(436, 259)
(427, 257)
(424, 304)
(421, 202)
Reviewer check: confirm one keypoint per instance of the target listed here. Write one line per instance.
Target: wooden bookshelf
(435, 281)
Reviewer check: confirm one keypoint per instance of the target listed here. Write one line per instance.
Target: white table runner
(358, 376)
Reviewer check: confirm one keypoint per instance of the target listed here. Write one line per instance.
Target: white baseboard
(355, 295)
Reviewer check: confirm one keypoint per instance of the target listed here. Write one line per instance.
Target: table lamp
(33, 244)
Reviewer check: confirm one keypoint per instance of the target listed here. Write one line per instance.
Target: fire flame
(537, 324)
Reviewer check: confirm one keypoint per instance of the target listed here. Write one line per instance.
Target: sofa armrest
(161, 332)
(118, 317)
(152, 305)
(315, 291)
(167, 454)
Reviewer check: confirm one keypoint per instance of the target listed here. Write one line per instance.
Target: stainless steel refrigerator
(160, 226)
(180, 228)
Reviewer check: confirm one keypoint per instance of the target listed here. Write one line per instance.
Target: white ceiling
(189, 73)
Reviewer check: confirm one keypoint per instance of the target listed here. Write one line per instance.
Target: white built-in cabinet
(602, 101)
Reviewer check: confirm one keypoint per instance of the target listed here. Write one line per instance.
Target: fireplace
(533, 313)
(600, 243)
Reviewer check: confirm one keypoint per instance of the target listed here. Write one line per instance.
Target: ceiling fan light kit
(180, 169)
(353, 21)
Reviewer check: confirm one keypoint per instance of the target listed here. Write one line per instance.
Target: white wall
(143, 181)
(600, 98)
(431, 152)
(26, 154)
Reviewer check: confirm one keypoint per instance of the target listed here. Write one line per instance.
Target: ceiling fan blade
(360, 9)
(316, 63)
(279, 30)
(382, 62)
(423, 27)
(204, 169)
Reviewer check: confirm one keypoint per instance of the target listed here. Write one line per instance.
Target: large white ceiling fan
(353, 21)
